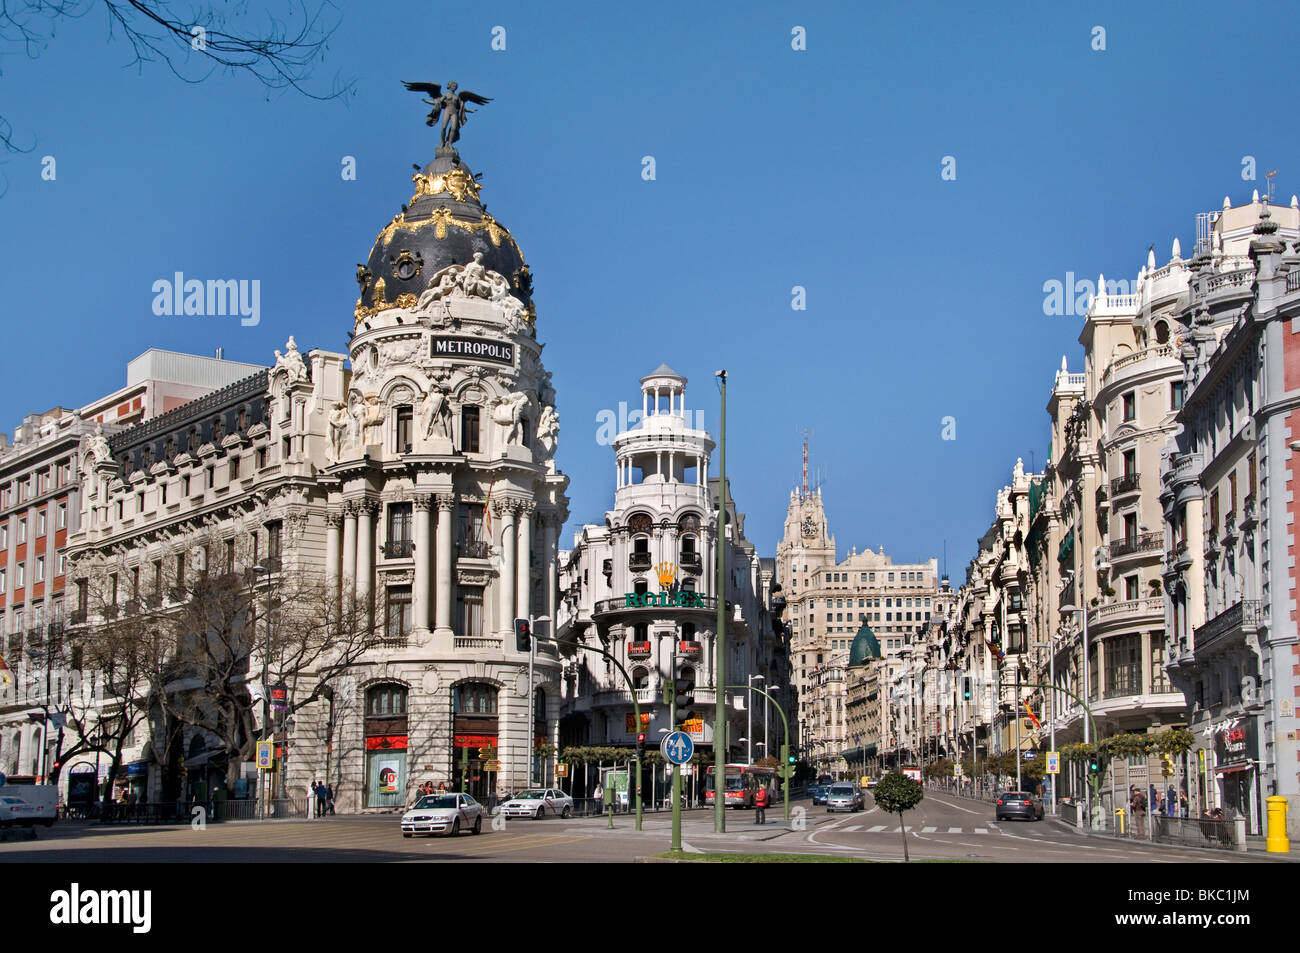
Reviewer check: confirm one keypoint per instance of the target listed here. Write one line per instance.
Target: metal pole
(785, 726)
(676, 843)
(1051, 677)
(532, 715)
(720, 670)
(266, 695)
(749, 725)
(1019, 785)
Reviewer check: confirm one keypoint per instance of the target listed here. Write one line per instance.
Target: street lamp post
(1087, 693)
(749, 719)
(265, 569)
(1051, 678)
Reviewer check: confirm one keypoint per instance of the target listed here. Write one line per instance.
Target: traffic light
(640, 743)
(523, 636)
(965, 688)
(1094, 765)
(684, 686)
(668, 692)
(786, 768)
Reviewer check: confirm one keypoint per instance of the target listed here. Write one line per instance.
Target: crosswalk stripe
(954, 830)
(849, 830)
(928, 830)
(981, 830)
(877, 829)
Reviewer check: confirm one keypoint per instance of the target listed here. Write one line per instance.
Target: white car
(538, 802)
(443, 814)
(14, 810)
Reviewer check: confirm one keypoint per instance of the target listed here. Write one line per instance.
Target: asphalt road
(942, 826)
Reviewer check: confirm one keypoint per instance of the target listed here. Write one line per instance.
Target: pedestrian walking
(329, 797)
(321, 791)
(760, 806)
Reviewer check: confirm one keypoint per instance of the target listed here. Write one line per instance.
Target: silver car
(443, 814)
(539, 802)
(844, 797)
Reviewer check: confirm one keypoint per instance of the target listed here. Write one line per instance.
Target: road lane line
(956, 806)
(929, 830)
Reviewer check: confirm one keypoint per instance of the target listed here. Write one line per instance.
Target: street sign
(956, 771)
(1029, 755)
(561, 770)
(266, 755)
(677, 747)
(1053, 762)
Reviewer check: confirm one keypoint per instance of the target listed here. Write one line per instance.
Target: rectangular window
(1177, 393)
(22, 531)
(1130, 528)
(20, 572)
(405, 427)
(469, 610)
(399, 522)
(230, 557)
(1130, 462)
(62, 518)
(234, 468)
(471, 527)
(1159, 677)
(1214, 514)
(1251, 475)
(400, 619)
(1131, 588)
(40, 524)
(2, 581)
(40, 568)
(273, 540)
(1130, 405)
(469, 429)
(1232, 491)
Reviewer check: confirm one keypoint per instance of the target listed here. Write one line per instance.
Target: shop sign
(693, 724)
(631, 722)
(475, 741)
(386, 743)
(681, 599)
(497, 352)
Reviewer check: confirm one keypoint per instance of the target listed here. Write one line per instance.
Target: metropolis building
(412, 477)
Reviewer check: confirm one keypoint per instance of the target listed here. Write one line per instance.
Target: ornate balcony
(475, 549)
(1129, 483)
(1249, 518)
(399, 549)
(690, 561)
(1142, 543)
(639, 562)
(1234, 622)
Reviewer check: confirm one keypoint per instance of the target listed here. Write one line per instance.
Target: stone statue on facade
(436, 414)
(548, 431)
(340, 422)
(507, 413)
(291, 362)
(99, 445)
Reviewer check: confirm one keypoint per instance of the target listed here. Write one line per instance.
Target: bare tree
(193, 40)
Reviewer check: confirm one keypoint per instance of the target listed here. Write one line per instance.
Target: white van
(43, 797)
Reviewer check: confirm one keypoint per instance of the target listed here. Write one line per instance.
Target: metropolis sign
(478, 349)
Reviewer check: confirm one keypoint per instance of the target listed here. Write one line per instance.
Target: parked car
(43, 798)
(1019, 805)
(539, 802)
(443, 814)
(844, 797)
(14, 810)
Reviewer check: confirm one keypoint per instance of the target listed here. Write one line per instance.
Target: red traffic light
(640, 738)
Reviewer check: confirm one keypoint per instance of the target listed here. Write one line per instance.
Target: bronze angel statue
(450, 105)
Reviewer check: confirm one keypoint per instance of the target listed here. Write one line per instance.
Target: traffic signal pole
(720, 637)
(676, 843)
(636, 706)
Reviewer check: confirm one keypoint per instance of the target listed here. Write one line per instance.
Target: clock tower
(806, 545)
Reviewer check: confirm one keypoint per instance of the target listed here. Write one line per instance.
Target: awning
(1067, 547)
(1233, 768)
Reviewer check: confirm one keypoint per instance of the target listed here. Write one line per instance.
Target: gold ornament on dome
(361, 312)
(440, 219)
(456, 182)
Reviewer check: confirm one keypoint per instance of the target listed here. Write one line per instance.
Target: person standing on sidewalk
(760, 805)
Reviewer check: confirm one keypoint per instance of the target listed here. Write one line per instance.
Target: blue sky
(775, 168)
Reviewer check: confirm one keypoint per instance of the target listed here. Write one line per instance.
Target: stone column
(365, 551)
(442, 598)
(505, 512)
(349, 571)
(523, 568)
(550, 530)
(333, 551)
(423, 561)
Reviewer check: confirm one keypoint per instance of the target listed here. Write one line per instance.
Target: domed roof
(865, 646)
(445, 224)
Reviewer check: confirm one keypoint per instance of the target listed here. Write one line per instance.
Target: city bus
(743, 780)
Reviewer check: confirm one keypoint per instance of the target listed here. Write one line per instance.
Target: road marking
(957, 806)
(850, 830)
(878, 829)
(954, 830)
(981, 830)
(930, 830)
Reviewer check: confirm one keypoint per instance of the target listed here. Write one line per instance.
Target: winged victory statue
(449, 104)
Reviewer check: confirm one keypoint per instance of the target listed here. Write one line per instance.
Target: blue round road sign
(677, 747)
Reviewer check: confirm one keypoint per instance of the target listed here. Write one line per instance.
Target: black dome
(444, 225)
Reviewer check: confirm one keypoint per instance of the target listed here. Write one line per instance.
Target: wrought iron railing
(1128, 483)
(399, 548)
(1142, 543)
(1245, 614)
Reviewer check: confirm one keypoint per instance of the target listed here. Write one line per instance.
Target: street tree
(895, 794)
(192, 40)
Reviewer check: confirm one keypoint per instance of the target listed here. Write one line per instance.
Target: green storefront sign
(683, 599)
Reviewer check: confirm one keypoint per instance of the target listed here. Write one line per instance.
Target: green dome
(865, 646)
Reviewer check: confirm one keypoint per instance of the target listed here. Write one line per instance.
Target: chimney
(221, 354)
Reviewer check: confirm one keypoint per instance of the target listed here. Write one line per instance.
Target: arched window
(1162, 332)
(640, 677)
(476, 698)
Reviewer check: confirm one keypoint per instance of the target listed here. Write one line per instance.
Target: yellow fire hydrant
(1277, 842)
(1119, 820)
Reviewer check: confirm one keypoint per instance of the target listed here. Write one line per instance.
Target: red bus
(743, 780)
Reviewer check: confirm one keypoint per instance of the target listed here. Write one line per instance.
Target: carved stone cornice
(525, 508)
(423, 501)
(333, 518)
(446, 502)
(350, 509)
(369, 507)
